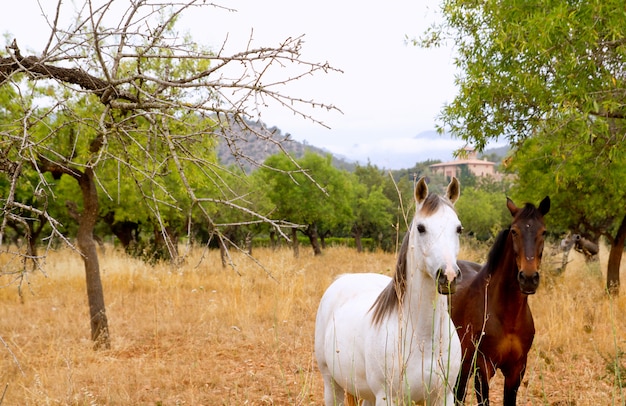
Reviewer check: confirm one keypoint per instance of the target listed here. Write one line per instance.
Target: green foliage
(589, 195)
(483, 214)
(373, 209)
(298, 199)
(535, 67)
(466, 177)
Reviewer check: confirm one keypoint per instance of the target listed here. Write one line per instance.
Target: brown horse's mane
(392, 295)
(497, 251)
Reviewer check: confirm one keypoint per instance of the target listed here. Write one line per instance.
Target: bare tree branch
(161, 100)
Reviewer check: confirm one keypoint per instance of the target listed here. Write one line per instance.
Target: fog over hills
(386, 153)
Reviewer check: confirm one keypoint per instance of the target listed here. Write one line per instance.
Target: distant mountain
(248, 144)
(500, 152)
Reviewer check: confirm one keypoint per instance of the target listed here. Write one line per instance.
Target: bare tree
(131, 93)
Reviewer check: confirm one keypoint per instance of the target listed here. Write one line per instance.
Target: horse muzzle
(528, 282)
(446, 286)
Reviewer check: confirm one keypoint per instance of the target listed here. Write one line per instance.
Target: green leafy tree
(309, 192)
(373, 210)
(467, 177)
(553, 71)
(373, 215)
(239, 227)
(482, 213)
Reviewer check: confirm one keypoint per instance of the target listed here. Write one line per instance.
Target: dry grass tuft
(202, 335)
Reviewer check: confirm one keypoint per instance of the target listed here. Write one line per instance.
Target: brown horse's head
(527, 232)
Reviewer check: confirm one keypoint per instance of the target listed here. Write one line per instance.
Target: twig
(4, 392)
(14, 359)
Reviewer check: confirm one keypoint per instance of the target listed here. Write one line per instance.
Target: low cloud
(399, 153)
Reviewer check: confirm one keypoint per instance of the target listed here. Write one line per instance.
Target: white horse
(390, 340)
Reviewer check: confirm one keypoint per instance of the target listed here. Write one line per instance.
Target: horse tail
(351, 400)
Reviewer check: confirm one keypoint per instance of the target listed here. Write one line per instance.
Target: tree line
(307, 196)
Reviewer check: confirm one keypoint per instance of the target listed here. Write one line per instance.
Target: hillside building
(478, 167)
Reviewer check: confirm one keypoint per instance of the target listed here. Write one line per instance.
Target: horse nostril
(534, 278)
(444, 285)
(442, 276)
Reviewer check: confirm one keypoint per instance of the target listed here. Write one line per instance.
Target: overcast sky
(389, 92)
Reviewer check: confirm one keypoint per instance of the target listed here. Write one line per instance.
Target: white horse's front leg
(334, 394)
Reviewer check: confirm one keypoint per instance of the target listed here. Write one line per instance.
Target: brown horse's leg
(512, 380)
(481, 387)
(483, 374)
(461, 383)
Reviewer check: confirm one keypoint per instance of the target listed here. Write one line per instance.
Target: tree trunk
(31, 234)
(87, 247)
(273, 243)
(248, 242)
(563, 261)
(125, 231)
(323, 238)
(294, 242)
(311, 232)
(357, 240)
(31, 240)
(166, 242)
(221, 241)
(615, 259)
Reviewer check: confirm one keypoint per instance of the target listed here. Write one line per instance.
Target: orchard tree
(309, 192)
(483, 213)
(554, 72)
(121, 84)
(372, 214)
(373, 210)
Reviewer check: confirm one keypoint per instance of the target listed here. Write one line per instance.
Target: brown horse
(490, 308)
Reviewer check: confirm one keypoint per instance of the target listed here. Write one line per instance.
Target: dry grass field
(202, 335)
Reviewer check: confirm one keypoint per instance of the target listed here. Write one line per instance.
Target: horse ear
(454, 190)
(511, 206)
(421, 190)
(544, 206)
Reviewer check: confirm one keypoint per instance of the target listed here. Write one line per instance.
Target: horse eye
(421, 228)
(459, 229)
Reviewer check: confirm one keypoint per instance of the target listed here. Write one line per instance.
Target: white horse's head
(435, 234)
